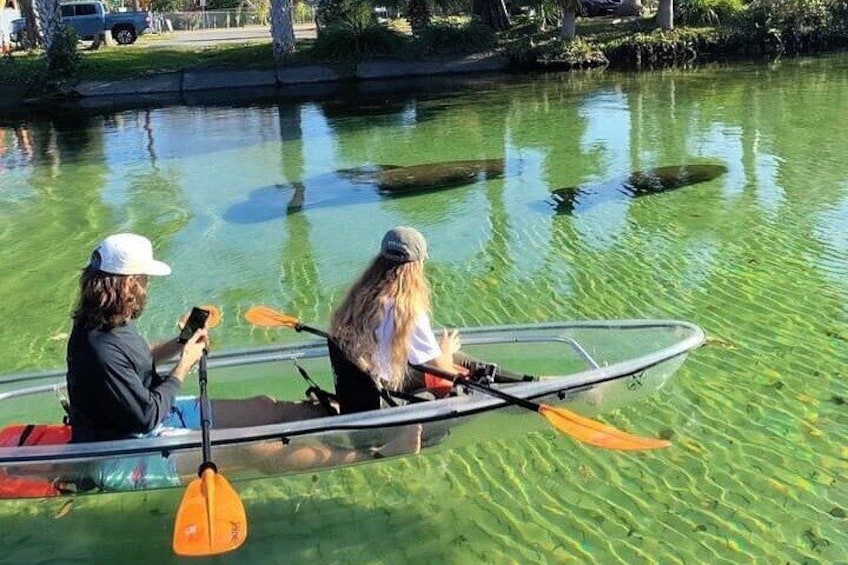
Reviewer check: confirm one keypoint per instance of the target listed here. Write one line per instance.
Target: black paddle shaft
(485, 389)
(204, 417)
(298, 327)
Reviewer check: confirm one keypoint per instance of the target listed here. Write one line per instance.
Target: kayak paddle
(579, 427)
(212, 321)
(211, 517)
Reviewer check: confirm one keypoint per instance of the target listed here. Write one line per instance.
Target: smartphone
(196, 320)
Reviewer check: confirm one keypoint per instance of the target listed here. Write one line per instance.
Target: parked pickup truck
(91, 19)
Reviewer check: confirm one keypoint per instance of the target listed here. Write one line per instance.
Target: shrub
(456, 39)
(63, 57)
(163, 5)
(570, 54)
(556, 54)
(790, 26)
(345, 43)
(707, 12)
(345, 13)
(661, 48)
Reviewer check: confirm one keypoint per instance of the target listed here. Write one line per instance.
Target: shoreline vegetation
(718, 30)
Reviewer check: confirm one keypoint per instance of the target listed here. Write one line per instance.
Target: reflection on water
(756, 255)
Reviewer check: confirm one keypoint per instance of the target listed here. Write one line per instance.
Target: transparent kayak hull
(588, 367)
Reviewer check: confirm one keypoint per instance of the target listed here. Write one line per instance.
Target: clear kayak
(588, 366)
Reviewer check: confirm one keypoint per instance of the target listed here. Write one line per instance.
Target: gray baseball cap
(403, 245)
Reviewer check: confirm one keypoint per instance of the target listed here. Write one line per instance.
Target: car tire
(124, 35)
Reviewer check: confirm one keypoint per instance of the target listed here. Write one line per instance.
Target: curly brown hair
(107, 301)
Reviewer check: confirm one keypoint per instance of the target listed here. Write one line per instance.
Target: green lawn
(146, 57)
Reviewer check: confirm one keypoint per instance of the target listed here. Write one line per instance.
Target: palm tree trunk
(33, 33)
(50, 19)
(493, 13)
(282, 27)
(418, 14)
(665, 15)
(569, 24)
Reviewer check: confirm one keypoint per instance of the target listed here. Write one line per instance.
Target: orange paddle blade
(265, 317)
(210, 519)
(597, 433)
(212, 321)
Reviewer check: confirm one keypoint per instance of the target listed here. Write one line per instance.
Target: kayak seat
(358, 391)
(21, 435)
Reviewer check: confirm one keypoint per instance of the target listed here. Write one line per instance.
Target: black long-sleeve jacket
(113, 387)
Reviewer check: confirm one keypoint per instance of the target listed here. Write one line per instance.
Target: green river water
(758, 257)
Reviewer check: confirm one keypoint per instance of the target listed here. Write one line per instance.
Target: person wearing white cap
(115, 391)
(383, 325)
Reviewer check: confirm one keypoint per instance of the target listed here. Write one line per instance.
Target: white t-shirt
(423, 345)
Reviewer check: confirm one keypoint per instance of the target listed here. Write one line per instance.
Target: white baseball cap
(127, 254)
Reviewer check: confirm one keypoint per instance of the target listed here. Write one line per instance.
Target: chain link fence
(223, 19)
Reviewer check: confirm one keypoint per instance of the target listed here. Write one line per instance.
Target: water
(758, 257)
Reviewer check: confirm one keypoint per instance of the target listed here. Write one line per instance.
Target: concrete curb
(394, 69)
(216, 79)
(152, 84)
(310, 74)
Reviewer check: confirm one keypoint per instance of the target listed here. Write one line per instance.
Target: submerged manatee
(390, 181)
(435, 176)
(639, 183)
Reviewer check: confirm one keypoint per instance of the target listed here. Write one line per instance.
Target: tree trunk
(493, 13)
(418, 14)
(282, 27)
(33, 31)
(569, 24)
(665, 15)
(50, 19)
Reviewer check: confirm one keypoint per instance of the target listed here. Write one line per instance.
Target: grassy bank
(144, 58)
(621, 43)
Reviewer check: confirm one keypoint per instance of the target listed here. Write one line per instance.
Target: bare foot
(407, 442)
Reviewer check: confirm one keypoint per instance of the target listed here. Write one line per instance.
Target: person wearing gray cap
(383, 325)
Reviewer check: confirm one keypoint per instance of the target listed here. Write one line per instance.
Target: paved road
(222, 36)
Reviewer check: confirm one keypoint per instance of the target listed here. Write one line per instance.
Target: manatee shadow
(640, 183)
(360, 185)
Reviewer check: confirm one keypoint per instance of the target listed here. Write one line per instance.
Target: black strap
(325, 398)
(389, 396)
(25, 434)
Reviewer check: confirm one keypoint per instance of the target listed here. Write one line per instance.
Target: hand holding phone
(196, 320)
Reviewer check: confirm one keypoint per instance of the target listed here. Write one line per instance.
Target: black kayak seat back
(356, 390)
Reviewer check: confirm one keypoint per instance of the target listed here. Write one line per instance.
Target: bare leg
(407, 442)
(261, 410)
(276, 457)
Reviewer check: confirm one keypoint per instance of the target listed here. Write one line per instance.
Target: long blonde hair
(361, 312)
